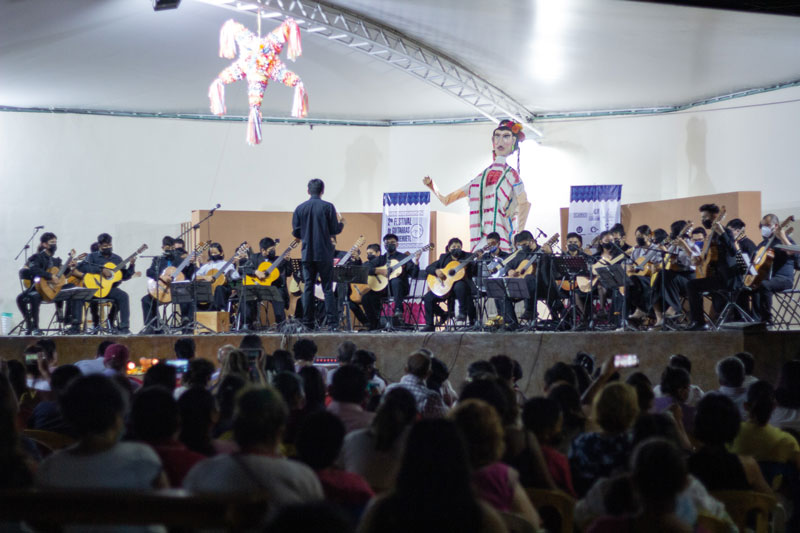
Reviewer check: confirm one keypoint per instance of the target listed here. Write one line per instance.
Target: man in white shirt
(218, 265)
(96, 365)
(730, 374)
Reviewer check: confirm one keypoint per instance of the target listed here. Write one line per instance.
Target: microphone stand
(28, 244)
(197, 226)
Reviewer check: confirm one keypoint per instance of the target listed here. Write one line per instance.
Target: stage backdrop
(593, 209)
(408, 215)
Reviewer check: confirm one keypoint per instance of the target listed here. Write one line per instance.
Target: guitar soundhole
(451, 273)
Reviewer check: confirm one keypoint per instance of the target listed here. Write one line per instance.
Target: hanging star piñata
(258, 62)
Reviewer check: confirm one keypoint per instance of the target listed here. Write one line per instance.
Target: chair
(561, 503)
(48, 441)
(712, 524)
(515, 523)
(744, 504)
(786, 306)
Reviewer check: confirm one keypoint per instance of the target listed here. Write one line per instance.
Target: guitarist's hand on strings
(382, 271)
(260, 274)
(417, 255)
(107, 273)
(718, 229)
(165, 278)
(440, 274)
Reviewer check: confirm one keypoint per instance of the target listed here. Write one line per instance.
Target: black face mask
(640, 241)
(525, 247)
(179, 252)
(370, 257)
(457, 253)
(608, 246)
(53, 248)
(707, 223)
(391, 248)
(215, 257)
(271, 255)
(107, 251)
(573, 247)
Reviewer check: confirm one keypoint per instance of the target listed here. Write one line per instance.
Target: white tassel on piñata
(227, 39)
(295, 49)
(300, 104)
(216, 93)
(254, 127)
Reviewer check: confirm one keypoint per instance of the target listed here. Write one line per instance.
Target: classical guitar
(159, 289)
(217, 276)
(394, 268)
(672, 258)
(710, 253)
(528, 266)
(49, 289)
(763, 259)
(454, 271)
(585, 284)
(103, 284)
(271, 270)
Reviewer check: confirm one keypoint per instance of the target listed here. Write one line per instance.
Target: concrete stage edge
(535, 351)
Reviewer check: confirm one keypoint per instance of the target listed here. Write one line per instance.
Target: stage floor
(535, 351)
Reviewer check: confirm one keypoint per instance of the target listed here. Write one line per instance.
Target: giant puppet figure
(497, 199)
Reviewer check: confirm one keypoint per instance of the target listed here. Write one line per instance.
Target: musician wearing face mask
(216, 262)
(493, 260)
(268, 252)
(618, 236)
(780, 275)
(461, 291)
(698, 238)
(574, 243)
(679, 268)
(397, 288)
(95, 264)
(167, 258)
(644, 261)
(373, 252)
(38, 267)
(533, 264)
(722, 269)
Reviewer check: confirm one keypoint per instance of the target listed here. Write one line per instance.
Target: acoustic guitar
(528, 266)
(672, 258)
(217, 275)
(49, 289)
(763, 259)
(159, 288)
(585, 284)
(394, 268)
(454, 271)
(103, 284)
(710, 253)
(271, 270)
(498, 271)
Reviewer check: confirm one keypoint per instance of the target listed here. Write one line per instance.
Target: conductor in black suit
(314, 222)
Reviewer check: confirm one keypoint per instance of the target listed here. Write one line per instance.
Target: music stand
(343, 276)
(572, 266)
(507, 290)
(72, 294)
(613, 277)
(191, 292)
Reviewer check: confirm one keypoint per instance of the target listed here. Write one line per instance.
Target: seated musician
(723, 271)
(397, 288)
(38, 267)
(781, 273)
(268, 253)
(540, 284)
(574, 248)
(603, 239)
(644, 259)
(95, 264)
(171, 256)
(699, 238)
(344, 291)
(679, 268)
(494, 258)
(618, 236)
(216, 262)
(461, 291)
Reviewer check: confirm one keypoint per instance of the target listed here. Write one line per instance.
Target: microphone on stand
(541, 233)
(39, 227)
(215, 208)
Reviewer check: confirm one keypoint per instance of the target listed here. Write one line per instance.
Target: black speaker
(746, 327)
(160, 5)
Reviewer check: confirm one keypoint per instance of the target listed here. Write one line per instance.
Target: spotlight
(160, 5)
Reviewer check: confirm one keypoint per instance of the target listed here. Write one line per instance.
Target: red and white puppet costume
(497, 198)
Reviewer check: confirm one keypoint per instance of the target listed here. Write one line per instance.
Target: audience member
(418, 369)
(161, 375)
(198, 375)
(749, 363)
(543, 417)
(439, 381)
(305, 350)
(518, 376)
(314, 387)
(716, 425)
(574, 418)
(600, 454)
(260, 419)
(199, 414)
(94, 407)
(222, 358)
(675, 387)
(184, 348)
(349, 391)
(504, 367)
(282, 361)
(156, 422)
(658, 476)
(681, 361)
(495, 482)
(16, 466)
(344, 355)
(319, 442)
(433, 492)
(375, 452)
(559, 373)
(226, 393)
(47, 414)
(236, 364)
(97, 364)
(290, 385)
(480, 369)
(730, 374)
(37, 368)
(787, 396)
(644, 390)
(365, 360)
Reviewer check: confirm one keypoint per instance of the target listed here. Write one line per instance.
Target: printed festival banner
(593, 209)
(408, 215)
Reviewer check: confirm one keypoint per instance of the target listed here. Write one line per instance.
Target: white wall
(139, 178)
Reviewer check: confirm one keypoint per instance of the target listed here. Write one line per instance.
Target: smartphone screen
(31, 357)
(626, 360)
(181, 365)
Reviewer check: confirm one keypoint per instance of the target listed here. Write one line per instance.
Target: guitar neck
(228, 263)
(64, 267)
(279, 260)
(124, 262)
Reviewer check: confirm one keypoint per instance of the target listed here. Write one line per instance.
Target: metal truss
(392, 47)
